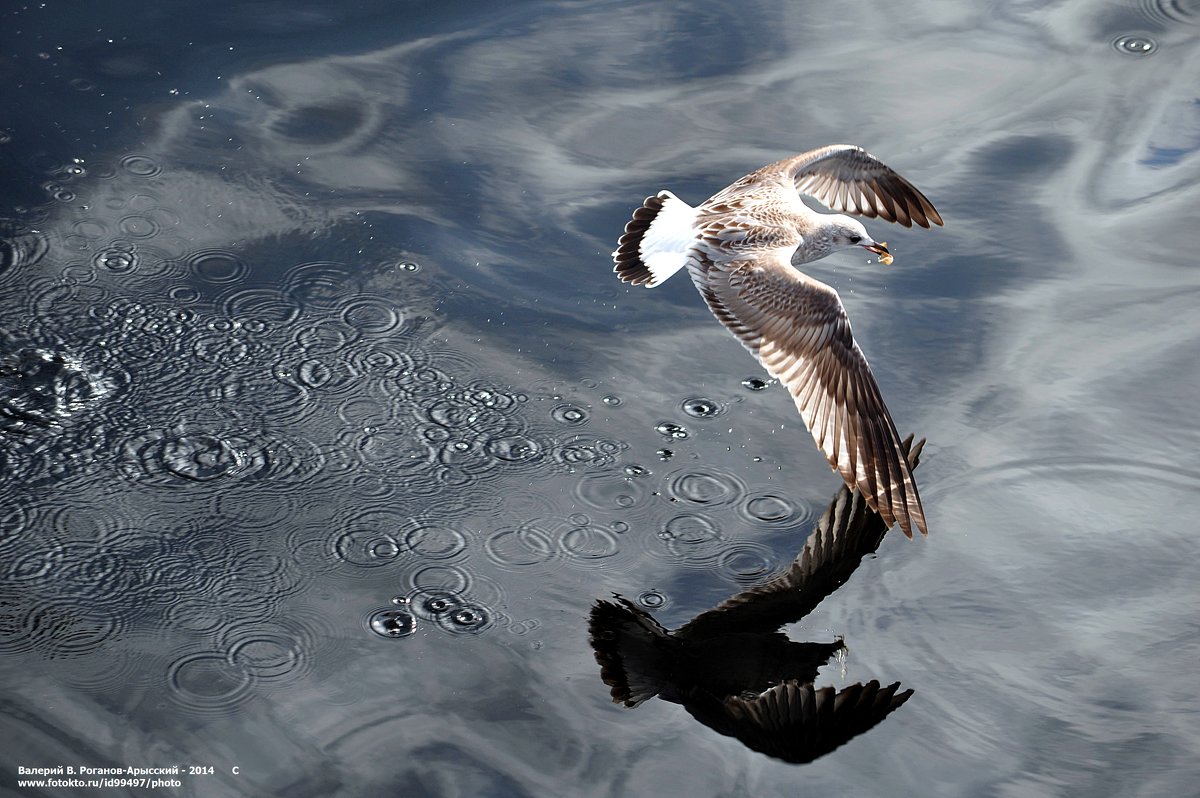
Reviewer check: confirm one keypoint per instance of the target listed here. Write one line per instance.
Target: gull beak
(880, 249)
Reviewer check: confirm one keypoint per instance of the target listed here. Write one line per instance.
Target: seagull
(739, 246)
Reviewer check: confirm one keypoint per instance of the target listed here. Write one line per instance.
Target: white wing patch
(665, 246)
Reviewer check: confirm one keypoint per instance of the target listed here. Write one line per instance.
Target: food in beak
(880, 249)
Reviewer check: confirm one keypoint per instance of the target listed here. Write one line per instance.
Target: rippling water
(323, 421)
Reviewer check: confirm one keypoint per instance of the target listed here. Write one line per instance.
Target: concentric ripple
(206, 683)
(692, 540)
(1135, 44)
(570, 414)
(710, 487)
(520, 547)
(651, 599)
(746, 562)
(366, 547)
(610, 490)
(216, 266)
(319, 285)
(278, 651)
(140, 165)
(589, 544)
(1171, 11)
(431, 540)
(19, 251)
(774, 510)
(169, 459)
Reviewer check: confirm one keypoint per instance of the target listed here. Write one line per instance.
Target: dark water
(307, 314)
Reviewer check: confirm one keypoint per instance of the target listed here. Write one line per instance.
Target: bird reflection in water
(734, 670)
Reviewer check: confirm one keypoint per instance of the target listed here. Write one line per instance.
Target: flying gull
(738, 247)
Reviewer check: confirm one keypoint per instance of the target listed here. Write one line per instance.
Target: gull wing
(797, 328)
(849, 179)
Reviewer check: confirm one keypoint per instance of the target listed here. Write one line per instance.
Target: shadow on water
(733, 669)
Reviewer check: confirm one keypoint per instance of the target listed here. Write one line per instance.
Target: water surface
(307, 315)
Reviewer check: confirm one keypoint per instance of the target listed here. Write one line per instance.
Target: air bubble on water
(467, 618)
(670, 429)
(392, 623)
(116, 260)
(700, 407)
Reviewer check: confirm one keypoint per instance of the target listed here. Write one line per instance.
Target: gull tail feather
(656, 242)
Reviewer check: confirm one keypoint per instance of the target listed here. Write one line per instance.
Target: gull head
(838, 231)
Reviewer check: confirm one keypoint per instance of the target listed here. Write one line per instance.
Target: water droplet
(612, 400)
(1135, 44)
(409, 266)
(635, 470)
(665, 454)
(392, 623)
(701, 407)
(754, 383)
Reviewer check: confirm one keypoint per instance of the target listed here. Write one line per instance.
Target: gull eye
(855, 239)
